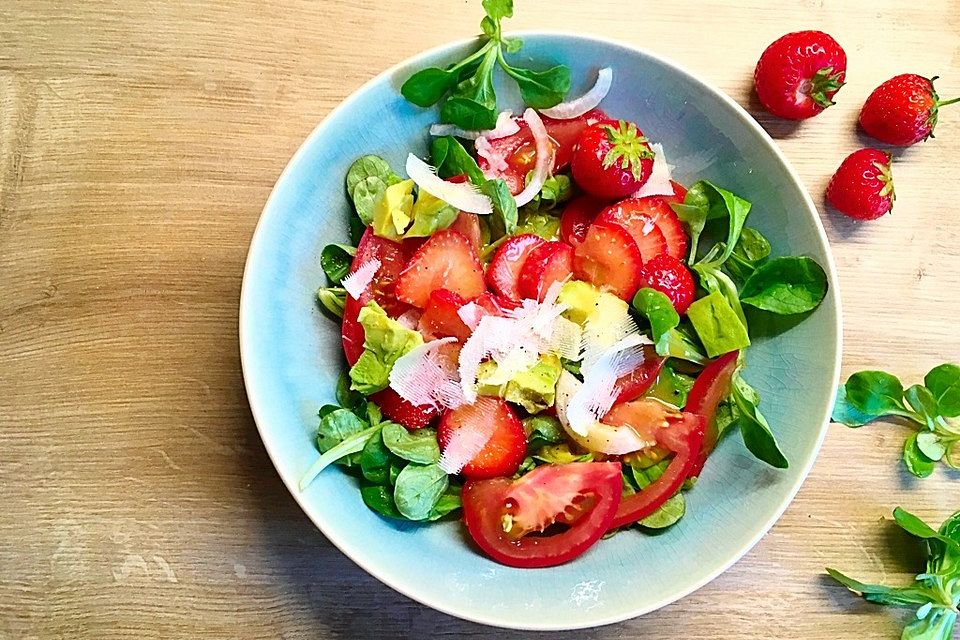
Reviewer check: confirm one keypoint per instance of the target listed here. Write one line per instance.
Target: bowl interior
(292, 357)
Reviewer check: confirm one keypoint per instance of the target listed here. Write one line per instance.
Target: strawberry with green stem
(903, 110)
(612, 160)
(799, 73)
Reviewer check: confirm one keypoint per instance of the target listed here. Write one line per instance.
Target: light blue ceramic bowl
(291, 352)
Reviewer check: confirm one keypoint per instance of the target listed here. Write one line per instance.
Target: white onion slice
(544, 158)
(506, 126)
(579, 106)
(658, 184)
(463, 195)
(358, 281)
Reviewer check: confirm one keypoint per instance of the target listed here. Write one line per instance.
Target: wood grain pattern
(138, 143)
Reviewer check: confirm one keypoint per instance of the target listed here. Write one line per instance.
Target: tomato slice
(636, 383)
(709, 389)
(512, 521)
(393, 257)
(682, 436)
(519, 153)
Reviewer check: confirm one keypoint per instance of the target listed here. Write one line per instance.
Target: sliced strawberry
(496, 305)
(635, 215)
(518, 151)
(504, 269)
(609, 259)
(392, 256)
(547, 263)
(469, 225)
(671, 277)
(505, 450)
(577, 217)
(440, 319)
(447, 260)
(399, 410)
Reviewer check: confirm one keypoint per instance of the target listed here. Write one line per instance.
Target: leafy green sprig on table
(472, 101)
(934, 407)
(398, 469)
(935, 593)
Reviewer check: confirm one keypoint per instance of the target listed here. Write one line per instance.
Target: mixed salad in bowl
(544, 332)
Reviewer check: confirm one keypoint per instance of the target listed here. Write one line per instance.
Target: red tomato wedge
(514, 521)
(709, 389)
(547, 263)
(608, 258)
(505, 450)
(392, 256)
(577, 217)
(447, 260)
(638, 217)
(503, 273)
(519, 152)
(683, 437)
(638, 382)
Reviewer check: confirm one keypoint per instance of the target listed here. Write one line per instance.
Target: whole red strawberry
(799, 73)
(670, 277)
(902, 110)
(611, 160)
(862, 187)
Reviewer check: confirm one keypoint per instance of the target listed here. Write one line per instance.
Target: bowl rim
(245, 337)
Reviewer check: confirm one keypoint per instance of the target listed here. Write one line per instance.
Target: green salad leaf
(717, 325)
(418, 489)
(503, 220)
(385, 340)
(870, 395)
(936, 593)
(661, 315)
(451, 159)
(419, 446)
(335, 260)
(754, 429)
(786, 286)
(332, 300)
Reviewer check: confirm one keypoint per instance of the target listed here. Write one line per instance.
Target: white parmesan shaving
(358, 281)
(658, 184)
(422, 378)
(475, 430)
(600, 333)
(496, 162)
(593, 400)
(471, 313)
(462, 195)
(590, 100)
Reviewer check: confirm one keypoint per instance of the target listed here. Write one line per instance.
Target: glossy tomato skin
(709, 389)
(518, 151)
(636, 383)
(684, 438)
(582, 495)
(596, 177)
(393, 256)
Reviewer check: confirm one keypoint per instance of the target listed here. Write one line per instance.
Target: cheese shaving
(358, 281)
(599, 391)
(422, 377)
(476, 427)
(658, 184)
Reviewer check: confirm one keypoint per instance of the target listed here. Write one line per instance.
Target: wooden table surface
(138, 143)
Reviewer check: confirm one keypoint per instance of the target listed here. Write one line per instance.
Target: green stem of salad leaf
(352, 444)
